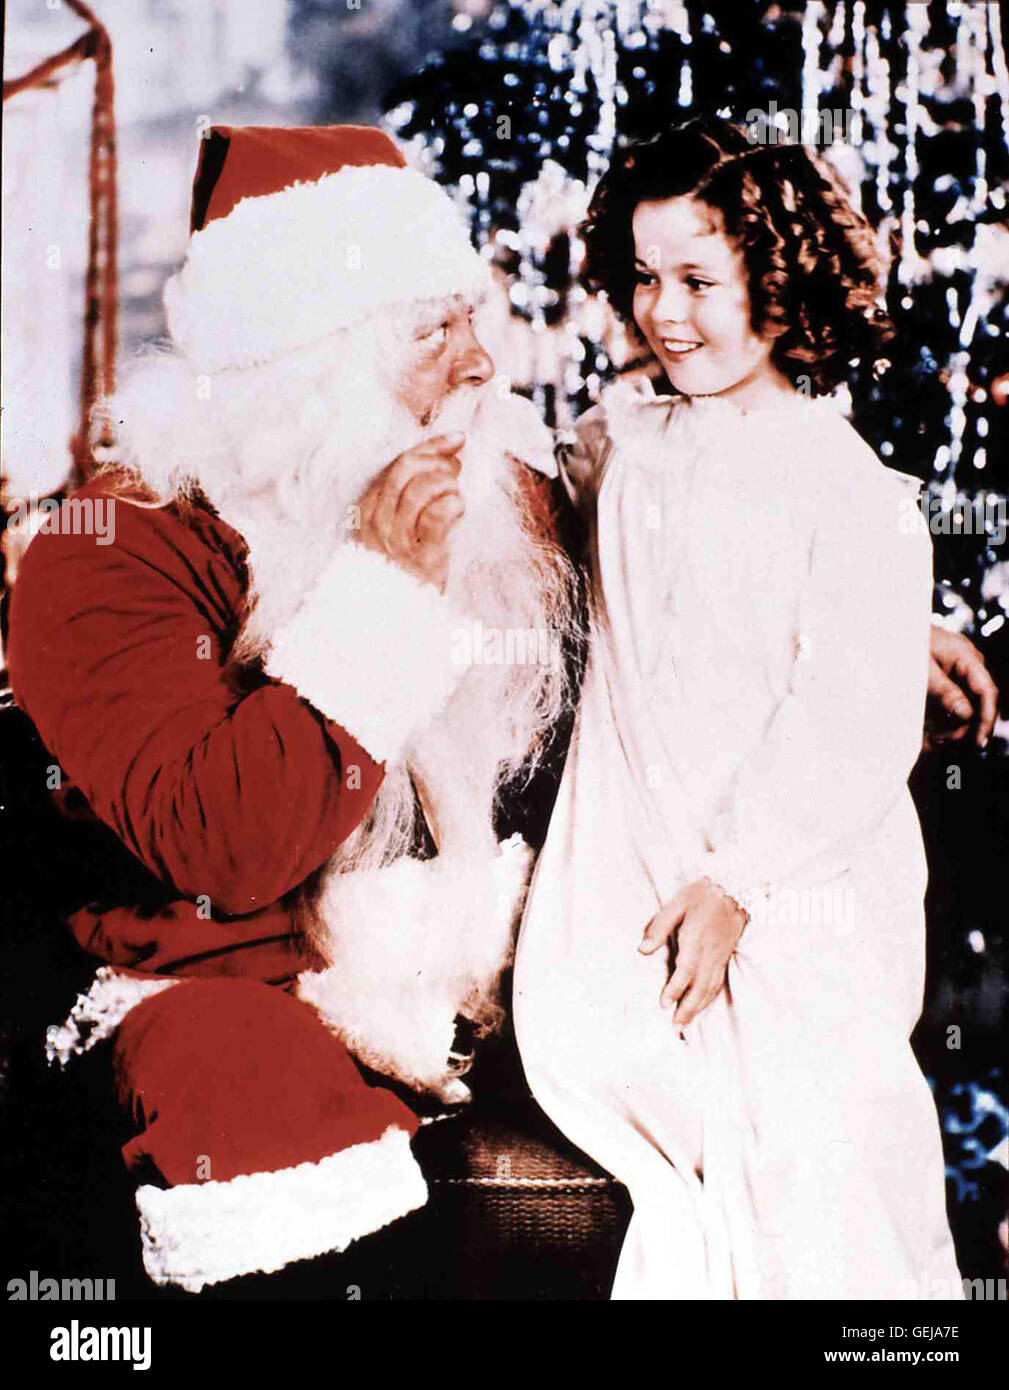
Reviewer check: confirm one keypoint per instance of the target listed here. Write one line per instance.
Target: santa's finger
(950, 695)
(442, 449)
(401, 497)
(384, 498)
(448, 444)
(381, 523)
(439, 516)
(365, 514)
(422, 490)
(388, 487)
(987, 692)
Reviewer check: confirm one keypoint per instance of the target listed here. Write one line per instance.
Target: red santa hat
(297, 233)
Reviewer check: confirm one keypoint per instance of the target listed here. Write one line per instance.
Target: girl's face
(692, 303)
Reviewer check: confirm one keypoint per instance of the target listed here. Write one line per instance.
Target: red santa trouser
(227, 1078)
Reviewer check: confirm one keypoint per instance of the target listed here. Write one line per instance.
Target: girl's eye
(643, 277)
(699, 285)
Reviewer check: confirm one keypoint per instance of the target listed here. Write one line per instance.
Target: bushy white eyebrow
(430, 313)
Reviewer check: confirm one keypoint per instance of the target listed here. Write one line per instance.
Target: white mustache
(457, 411)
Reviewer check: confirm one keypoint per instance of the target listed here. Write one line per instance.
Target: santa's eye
(433, 337)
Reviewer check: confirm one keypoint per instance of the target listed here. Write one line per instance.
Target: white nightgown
(751, 711)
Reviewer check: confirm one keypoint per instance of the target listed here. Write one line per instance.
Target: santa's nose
(472, 365)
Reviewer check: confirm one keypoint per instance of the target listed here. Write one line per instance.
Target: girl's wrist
(724, 892)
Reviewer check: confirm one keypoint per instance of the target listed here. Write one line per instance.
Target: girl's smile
(680, 348)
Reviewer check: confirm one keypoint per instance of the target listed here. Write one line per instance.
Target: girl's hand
(709, 924)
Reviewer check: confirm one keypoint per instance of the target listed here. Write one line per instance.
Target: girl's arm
(837, 754)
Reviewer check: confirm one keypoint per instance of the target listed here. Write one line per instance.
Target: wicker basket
(524, 1215)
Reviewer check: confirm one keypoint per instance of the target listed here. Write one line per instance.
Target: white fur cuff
(203, 1233)
(373, 649)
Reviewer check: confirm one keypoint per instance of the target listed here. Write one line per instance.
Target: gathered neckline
(781, 405)
(644, 393)
(639, 421)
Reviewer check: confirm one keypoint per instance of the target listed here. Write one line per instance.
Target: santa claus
(273, 687)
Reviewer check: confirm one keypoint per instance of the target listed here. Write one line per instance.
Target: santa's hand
(410, 508)
(708, 924)
(960, 689)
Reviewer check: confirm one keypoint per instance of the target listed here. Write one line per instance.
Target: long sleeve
(117, 654)
(837, 753)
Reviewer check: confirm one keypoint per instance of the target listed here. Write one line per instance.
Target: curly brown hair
(815, 273)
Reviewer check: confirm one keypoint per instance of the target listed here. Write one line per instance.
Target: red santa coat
(230, 788)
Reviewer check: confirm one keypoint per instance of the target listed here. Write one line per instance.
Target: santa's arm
(235, 795)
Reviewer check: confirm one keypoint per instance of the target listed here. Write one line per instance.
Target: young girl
(722, 956)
